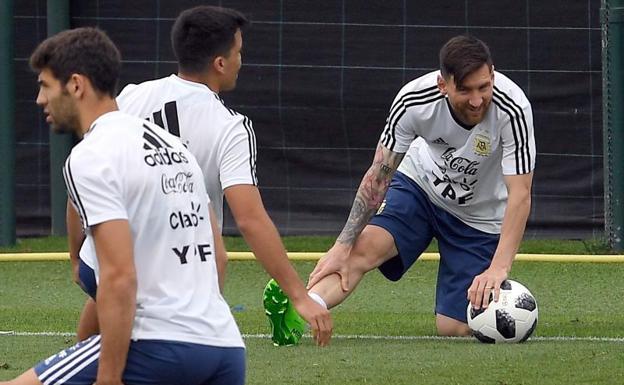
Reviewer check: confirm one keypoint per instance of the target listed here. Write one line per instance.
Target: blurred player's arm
(264, 240)
(75, 238)
(262, 237)
(368, 198)
(116, 296)
(220, 252)
(512, 231)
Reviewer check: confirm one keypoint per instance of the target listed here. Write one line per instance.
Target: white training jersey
(127, 168)
(461, 168)
(222, 140)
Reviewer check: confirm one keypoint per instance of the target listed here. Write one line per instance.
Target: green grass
(323, 243)
(575, 300)
(461, 362)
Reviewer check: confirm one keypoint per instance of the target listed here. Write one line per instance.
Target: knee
(448, 327)
(454, 331)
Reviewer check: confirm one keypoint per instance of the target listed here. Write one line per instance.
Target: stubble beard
(68, 121)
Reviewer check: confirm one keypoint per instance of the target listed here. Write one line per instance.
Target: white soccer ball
(512, 319)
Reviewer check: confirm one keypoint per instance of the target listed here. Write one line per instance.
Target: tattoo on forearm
(353, 227)
(371, 193)
(386, 169)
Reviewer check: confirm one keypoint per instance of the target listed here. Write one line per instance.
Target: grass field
(383, 332)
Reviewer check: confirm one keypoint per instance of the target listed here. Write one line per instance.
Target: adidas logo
(440, 141)
(159, 152)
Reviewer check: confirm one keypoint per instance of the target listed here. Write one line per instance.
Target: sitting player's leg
(148, 362)
(27, 378)
(88, 323)
(465, 253)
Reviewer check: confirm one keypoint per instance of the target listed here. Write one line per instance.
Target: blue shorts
(149, 362)
(86, 276)
(413, 221)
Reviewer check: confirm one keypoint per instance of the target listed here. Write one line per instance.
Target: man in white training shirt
(152, 266)
(462, 140)
(207, 42)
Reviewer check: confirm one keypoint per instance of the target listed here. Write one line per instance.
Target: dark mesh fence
(318, 79)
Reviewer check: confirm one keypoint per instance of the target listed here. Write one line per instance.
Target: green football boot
(287, 326)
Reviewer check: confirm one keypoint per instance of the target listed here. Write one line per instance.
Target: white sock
(317, 298)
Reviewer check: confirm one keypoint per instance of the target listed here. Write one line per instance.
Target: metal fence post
(7, 126)
(612, 16)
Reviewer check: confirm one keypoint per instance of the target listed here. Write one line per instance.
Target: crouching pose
(454, 162)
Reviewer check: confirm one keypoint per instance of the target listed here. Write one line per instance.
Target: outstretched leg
(27, 378)
(88, 323)
(374, 246)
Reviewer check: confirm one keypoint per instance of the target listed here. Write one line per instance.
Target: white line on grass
(355, 337)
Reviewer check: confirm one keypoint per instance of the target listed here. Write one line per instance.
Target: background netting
(318, 79)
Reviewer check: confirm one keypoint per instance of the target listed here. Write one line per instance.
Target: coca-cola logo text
(181, 183)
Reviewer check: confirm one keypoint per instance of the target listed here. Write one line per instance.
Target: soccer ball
(512, 319)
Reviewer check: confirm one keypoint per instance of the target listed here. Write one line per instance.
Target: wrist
(500, 267)
(298, 295)
(343, 244)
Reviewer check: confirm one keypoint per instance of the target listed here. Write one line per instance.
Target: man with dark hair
(161, 314)
(207, 42)
(201, 34)
(102, 68)
(455, 162)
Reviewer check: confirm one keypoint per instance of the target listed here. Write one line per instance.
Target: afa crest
(482, 145)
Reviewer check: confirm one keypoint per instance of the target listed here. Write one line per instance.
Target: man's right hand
(318, 317)
(334, 262)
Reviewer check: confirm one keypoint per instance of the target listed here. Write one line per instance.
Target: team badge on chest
(482, 145)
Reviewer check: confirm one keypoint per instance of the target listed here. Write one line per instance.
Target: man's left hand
(484, 284)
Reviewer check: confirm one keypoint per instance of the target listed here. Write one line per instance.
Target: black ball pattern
(483, 338)
(505, 324)
(526, 302)
(528, 334)
(475, 312)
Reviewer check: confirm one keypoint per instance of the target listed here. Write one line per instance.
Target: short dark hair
(462, 55)
(202, 33)
(85, 51)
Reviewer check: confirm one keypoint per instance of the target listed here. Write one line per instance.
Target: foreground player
(207, 42)
(466, 132)
(150, 259)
